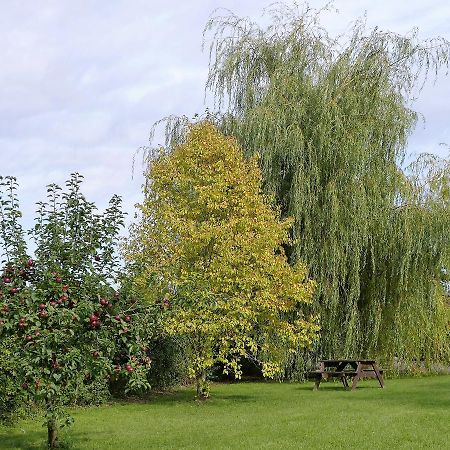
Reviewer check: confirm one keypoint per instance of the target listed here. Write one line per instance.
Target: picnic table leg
(378, 374)
(318, 380)
(357, 376)
(344, 382)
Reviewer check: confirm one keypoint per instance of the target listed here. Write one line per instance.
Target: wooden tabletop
(362, 361)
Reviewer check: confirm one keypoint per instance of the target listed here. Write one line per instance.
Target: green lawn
(408, 414)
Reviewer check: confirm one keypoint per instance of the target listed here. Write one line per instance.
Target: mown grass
(409, 414)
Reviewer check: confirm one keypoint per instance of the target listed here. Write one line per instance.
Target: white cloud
(82, 82)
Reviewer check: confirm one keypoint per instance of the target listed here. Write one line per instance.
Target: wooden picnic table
(344, 369)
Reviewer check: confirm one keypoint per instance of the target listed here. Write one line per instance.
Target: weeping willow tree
(330, 118)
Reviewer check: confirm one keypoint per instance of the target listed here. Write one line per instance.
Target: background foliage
(330, 119)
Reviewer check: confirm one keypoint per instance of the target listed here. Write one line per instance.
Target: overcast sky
(81, 82)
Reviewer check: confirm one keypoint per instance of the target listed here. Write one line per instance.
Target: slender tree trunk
(52, 434)
(199, 386)
(202, 386)
(52, 425)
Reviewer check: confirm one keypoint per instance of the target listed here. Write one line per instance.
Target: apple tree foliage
(66, 323)
(209, 246)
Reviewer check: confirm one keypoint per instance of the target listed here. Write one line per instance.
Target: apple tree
(68, 323)
(210, 249)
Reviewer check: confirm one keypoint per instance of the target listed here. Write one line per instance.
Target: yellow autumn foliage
(209, 248)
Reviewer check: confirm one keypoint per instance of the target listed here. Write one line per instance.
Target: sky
(82, 82)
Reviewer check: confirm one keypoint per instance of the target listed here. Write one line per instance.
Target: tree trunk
(202, 386)
(52, 434)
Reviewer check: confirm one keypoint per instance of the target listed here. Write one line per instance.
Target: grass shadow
(157, 398)
(326, 386)
(183, 396)
(24, 441)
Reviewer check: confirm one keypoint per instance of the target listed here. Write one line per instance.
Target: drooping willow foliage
(331, 119)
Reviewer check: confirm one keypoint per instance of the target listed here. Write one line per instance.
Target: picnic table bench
(345, 369)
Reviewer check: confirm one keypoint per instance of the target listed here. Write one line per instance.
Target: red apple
(7, 280)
